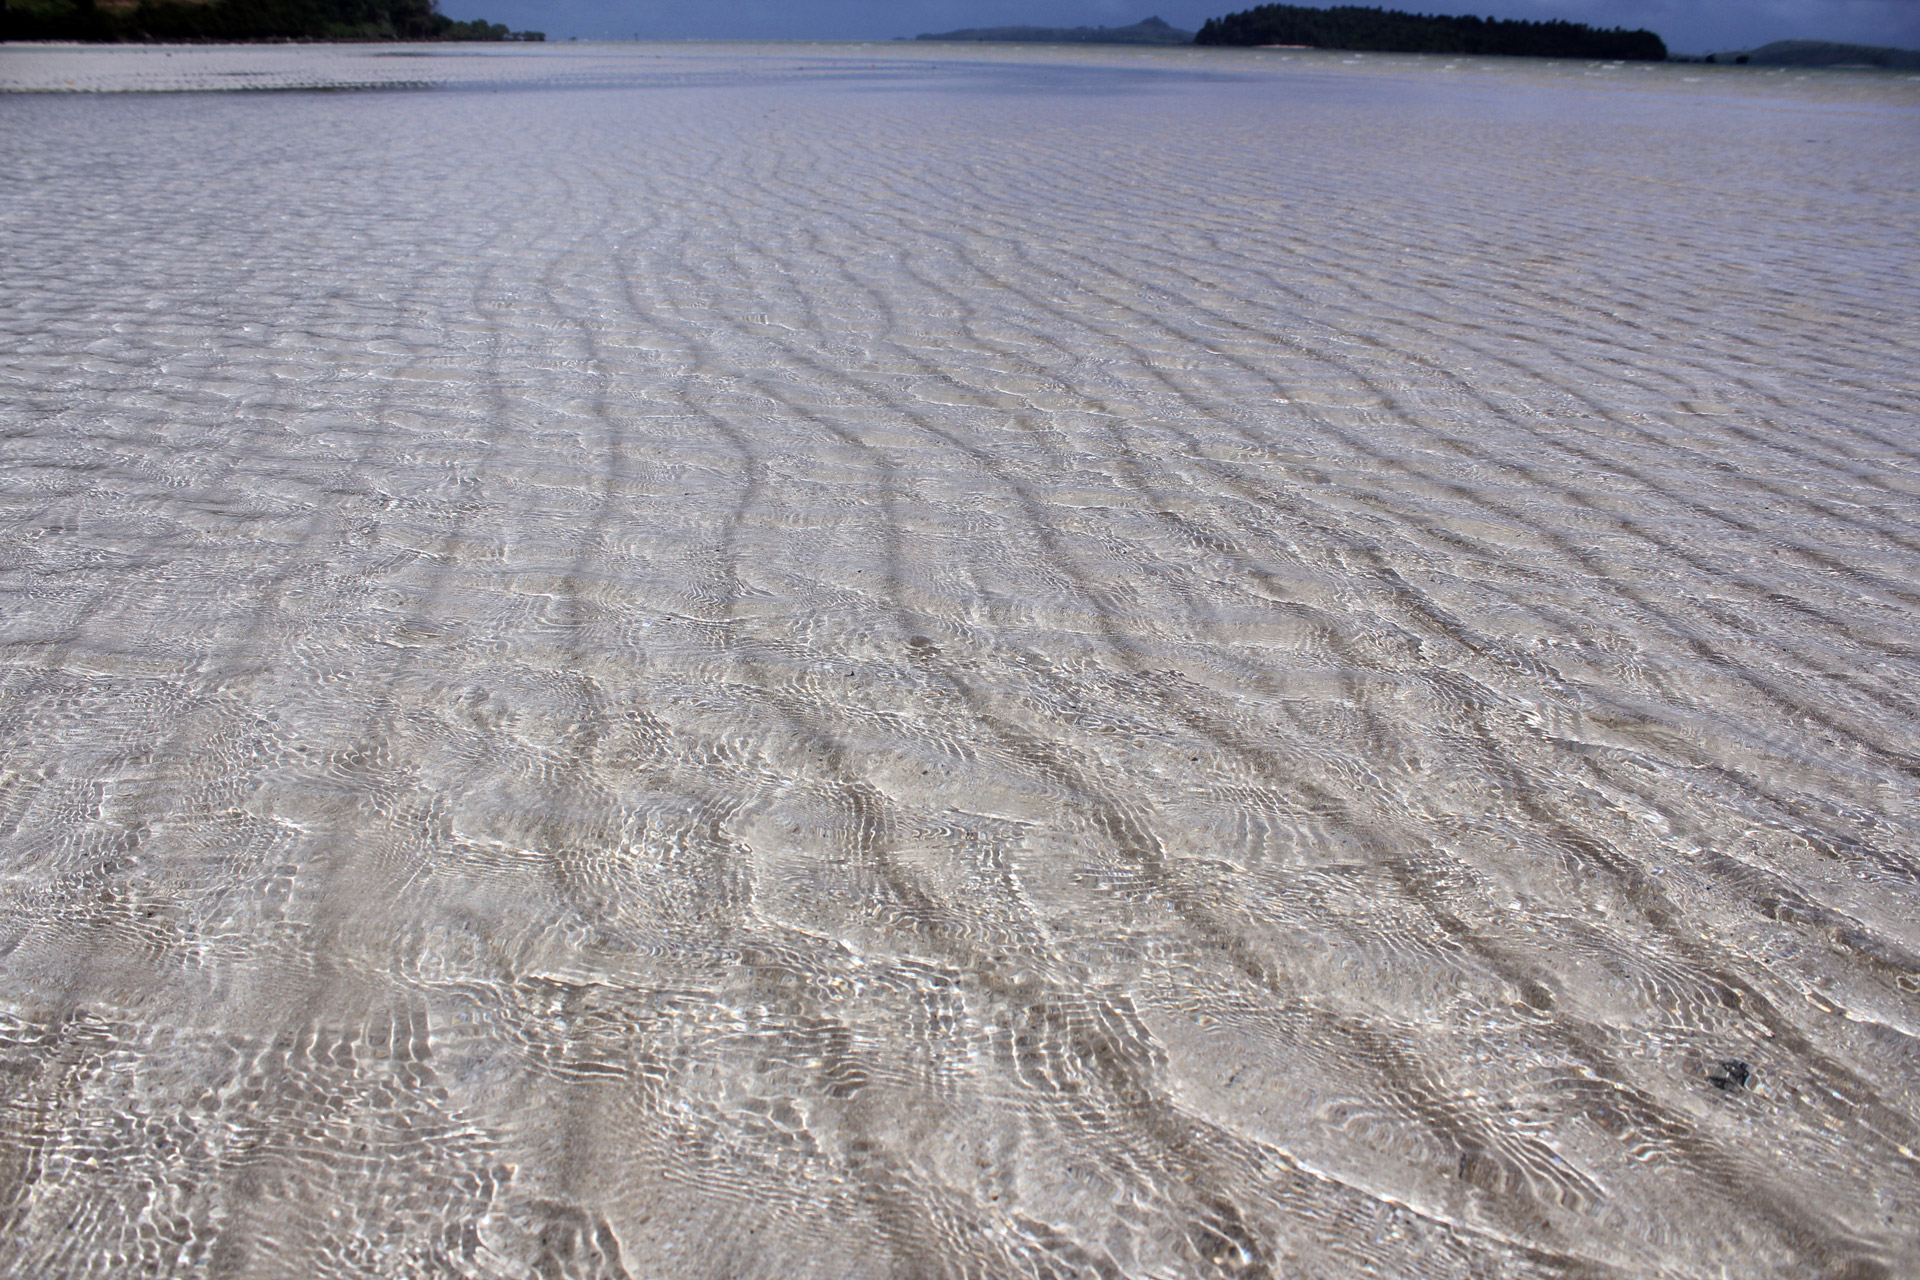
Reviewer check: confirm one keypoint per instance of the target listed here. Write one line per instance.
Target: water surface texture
(842, 663)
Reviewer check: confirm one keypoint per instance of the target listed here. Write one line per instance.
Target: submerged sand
(853, 662)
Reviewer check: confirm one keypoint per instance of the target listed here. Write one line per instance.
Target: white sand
(879, 662)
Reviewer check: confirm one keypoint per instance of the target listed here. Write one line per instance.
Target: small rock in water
(1732, 1074)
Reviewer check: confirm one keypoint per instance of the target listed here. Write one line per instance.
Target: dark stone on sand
(1729, 1075)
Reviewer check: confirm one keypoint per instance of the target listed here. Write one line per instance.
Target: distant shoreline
(245, 22)
(1362, 30)
(1148, 31)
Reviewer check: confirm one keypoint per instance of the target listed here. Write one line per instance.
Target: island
(230, 20)
(1147, 31)
(1392, 31)
(1824, 53)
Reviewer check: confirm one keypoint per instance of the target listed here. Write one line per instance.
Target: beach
(866, 661)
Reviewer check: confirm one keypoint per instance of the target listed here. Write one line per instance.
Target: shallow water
(855, 662)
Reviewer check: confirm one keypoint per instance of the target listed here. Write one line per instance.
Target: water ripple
(770, 661)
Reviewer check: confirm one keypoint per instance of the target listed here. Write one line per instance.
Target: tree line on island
(1824, 53)
(1353, 27)
(230, 20)
(1344, 27)
(1392, 31)
(1149, 31)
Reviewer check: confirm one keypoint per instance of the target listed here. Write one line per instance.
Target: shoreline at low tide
(838, 661)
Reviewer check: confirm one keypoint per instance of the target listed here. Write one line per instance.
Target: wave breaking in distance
(771, 662)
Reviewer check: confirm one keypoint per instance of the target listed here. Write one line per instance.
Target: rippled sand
(686, 663)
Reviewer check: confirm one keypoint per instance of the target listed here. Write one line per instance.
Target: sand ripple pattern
(812, 663)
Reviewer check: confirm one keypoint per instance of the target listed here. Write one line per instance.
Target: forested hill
(1148, 31)
(1825, 53)
(1390, 31)
(105, 20)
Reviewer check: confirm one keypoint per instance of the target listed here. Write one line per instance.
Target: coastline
(804, 661)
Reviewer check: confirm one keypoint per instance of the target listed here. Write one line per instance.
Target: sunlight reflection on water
(833, 661)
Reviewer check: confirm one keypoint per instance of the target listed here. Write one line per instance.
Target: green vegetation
(1390, 31)
(1150, 31)
(241, 20)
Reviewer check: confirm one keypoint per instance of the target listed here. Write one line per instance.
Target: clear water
(857, 662)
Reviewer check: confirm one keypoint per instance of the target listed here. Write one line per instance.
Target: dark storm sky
(1689, 26)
